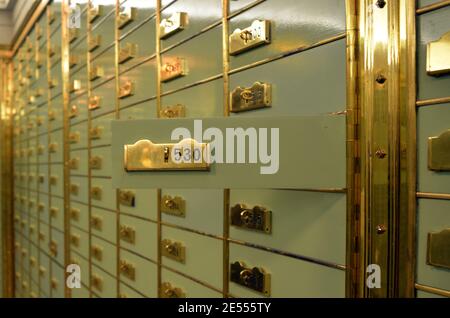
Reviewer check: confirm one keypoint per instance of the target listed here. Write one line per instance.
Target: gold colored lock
(73, 60)
(52, 50)
(95, 133)
(74, 33)
(173, 206)
(126, 16)
(75, 214)
(255, 35)
(75, 240)
(255, 278)
(168, 291)
(128, 270)
(96, 193)
(95, 11)
(52, 83)
(94, 42)
(74, 163)
(74, 189)
(74, 137)
(54, 283)
(127, 198)
(256, 97)
(97, 223)
(94, 102)
(177, 111)
(52, 148)
(53, 246)
(173, 68)
(95, 163)
(97, 253)
(96, 73)
(256, 218)
(126, 90)
(127, 234)
(128, 52)
(53, 180)
(41, 236)
(97, 282)
(54, 212)
(175, 23)
(73, 111)
(173, 250)
(51, 115)
(42, 270)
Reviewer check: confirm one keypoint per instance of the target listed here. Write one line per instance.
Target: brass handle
(175, 23)
(95, 11)
(128, 52)
(51, 115)
(94, 42)
(53, 180)
(53, 248)
(42, 271)
(54, 283)
(53, 147)
(173, 68)
(74, 163)
(96, 73)
(173, 250)
(74, 189)
(54, 212)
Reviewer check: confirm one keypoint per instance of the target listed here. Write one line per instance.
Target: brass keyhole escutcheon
(247, 95)
(170, 68)
(246, 36)
(171, 204)
(246, 277)
(247, 217)
(170, 293)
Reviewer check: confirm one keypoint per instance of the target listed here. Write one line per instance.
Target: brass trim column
(385, 87)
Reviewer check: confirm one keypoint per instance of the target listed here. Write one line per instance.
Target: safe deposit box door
(433, 143)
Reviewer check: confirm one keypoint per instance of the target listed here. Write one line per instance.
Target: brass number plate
(256, 35)
(438, 252)
(173, 206)
(126, 16)
(128, 52)
(147, 156)
(173, 250)
(168, 291)
(257, 218)
(177, 22)
(253, 278)
(173, 68)
(438, 56)
(177, 111)
(127, 198)
(439, 152)
(256, 97)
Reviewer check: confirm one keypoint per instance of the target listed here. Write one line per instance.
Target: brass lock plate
(95, 163)
(96, 193)
(126, 90)
(438, 249)
(97, 223)
(74, 137)
(127, 234)
(127, 198)
(253, 278)
(96, 73)
(128, 270)
(438, 56)
(177, 111)
(128, 52)
(173, 206)
(95, 133)
(256, 218)
(94, 42)
(97, 253)
(186, 155)
(439, 152)
(126, 16)
(94, 102)
(256, 97)
(73, 34)
(255, 35)
(168, 291)
(173, 68)
(74, 163)
(175, 23)
(73, 60)
(95, 11)
(173, 250)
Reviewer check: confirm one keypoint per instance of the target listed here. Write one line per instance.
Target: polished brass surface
(438, 59)
(173, 68)
(439, 152)
(169, 291)
(127, 269)
(126, 16)
(253, 278)
(94, 102)
(175, 23)
(255, 35)
(177, 111)
(438, 249)
(173, 250)
(95, 163)
(127, 198)
(147, 156)
(256, 97)
(173, 206)
(127, 90)
(94, 42)
(127, 234)
(256, 218)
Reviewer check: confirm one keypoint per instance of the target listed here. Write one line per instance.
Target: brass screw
(381, 229)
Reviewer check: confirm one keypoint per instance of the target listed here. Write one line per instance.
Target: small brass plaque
(74, 189)
(173, 68)
(97, 253)
(177, 111)
(173, 205)
(53, 147)
(168, 291)
(127, 269)
(184, 156)
(127, 198)
(175, 23)
(97, 223)
(126, 90)
(94, 42)
(127, 234)
(96, 193)
(438, 56)
(253, 278)
(126, 16)
(94, 102)
(74, 163)
(96, 73)
(256, 218)
(256, 97)
(74, 137)
(128, 52)
(255, 35)
(95, 133)
(438, 251)
(173, 250)
(439, 152)
(95, 163)
(95, 11)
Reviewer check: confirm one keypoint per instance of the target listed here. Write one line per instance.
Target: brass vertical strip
(7, 180)
(49, 124)
(89, 143)
(158, 112)
(226, 113)
(117, 100)
(65, 63)
(406, 222)
(353, 275)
